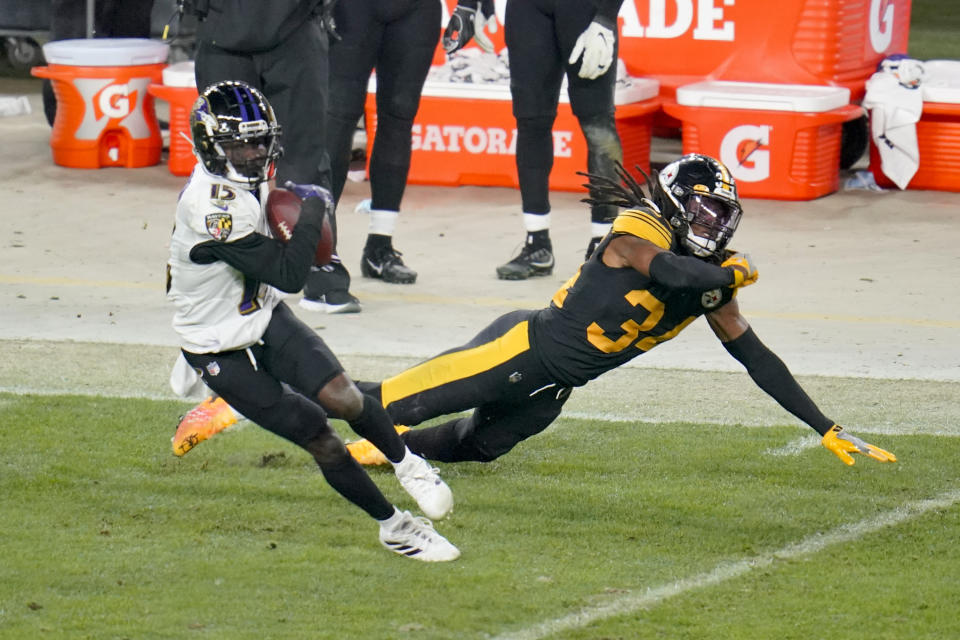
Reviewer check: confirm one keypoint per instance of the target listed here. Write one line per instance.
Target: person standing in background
(282, 49)
(398, 39)
(111, 19)
(547, 40)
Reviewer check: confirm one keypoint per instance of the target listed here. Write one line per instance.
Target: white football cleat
(424, 485)
(416, 538)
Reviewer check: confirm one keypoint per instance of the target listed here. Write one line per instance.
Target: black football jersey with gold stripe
(603, 317)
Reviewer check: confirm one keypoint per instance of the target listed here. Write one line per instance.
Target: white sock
(536, 221)
(600, 229)
(406, 458)
(392, 521)
(382, 222)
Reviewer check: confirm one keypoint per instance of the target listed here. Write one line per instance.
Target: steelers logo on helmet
(235, 133)
(698, 196)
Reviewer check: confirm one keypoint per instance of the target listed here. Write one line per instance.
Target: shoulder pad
(645, 223)
(219, 211)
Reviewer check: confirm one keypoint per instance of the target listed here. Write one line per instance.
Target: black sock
(375, 425)
(539, 240)
(349, 479)
(442, 443)
(376, 241)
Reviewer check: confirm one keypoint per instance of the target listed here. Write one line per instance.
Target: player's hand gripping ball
(283, 211)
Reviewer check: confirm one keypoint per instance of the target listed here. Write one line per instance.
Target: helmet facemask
(698, 197)
(710, 224)
(248, 159)
(235, 133)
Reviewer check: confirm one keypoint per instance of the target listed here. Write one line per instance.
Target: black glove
(469, 21)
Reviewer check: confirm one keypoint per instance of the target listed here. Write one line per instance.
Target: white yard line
(653, 596)
(791, 448)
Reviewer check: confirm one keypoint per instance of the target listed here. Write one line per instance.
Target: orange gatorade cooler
(780, 141)
(179, 88)
(938, 131)
(465, 134)
(832, 42)
(105, 116)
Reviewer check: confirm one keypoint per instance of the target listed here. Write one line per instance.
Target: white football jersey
(217, 307)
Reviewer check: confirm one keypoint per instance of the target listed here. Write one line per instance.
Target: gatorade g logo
(881, 24)
(105, 101)
(114, 101)
(746, 152)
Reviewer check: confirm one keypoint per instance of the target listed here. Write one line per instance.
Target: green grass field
(593, 530)
(934, 29)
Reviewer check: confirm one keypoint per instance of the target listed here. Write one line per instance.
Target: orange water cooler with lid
(179, 89)
(105, 116)
(938, 132)
(779, 141)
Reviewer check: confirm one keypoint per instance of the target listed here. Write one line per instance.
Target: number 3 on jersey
(631, 330)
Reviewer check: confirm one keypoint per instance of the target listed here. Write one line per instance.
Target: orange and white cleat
(364, 452)
(204, 421)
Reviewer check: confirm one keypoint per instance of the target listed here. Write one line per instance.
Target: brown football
(283, 211)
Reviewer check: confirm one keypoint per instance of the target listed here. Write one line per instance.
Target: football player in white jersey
(226, 278)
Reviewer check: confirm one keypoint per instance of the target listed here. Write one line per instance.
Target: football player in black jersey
(664, 264)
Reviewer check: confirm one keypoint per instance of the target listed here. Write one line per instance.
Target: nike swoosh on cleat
(376, 267)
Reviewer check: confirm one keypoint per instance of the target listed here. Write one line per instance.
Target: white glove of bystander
(595, 44)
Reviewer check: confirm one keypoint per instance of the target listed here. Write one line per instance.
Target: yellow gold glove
(842, 444)
(745, 272)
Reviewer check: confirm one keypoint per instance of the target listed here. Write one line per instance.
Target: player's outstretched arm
(770, 374)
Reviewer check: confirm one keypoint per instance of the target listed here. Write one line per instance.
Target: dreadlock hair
(626, 192)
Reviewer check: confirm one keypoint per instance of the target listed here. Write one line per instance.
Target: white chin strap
(698, 246)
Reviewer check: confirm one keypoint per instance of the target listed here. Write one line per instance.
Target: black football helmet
(698, 196)
(235, 132)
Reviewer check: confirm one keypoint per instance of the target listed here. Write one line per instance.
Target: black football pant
(497, 375)
(540, 34)
(398, 38)
(274, 383)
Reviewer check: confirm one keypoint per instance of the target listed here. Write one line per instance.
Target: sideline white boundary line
(801, 444)
(86, 392)
(653, 596)
(794, 447)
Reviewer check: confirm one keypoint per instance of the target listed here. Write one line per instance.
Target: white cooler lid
(106, 52)
(763, 96)
(941, 81)
(632, 90)
(180, 74)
